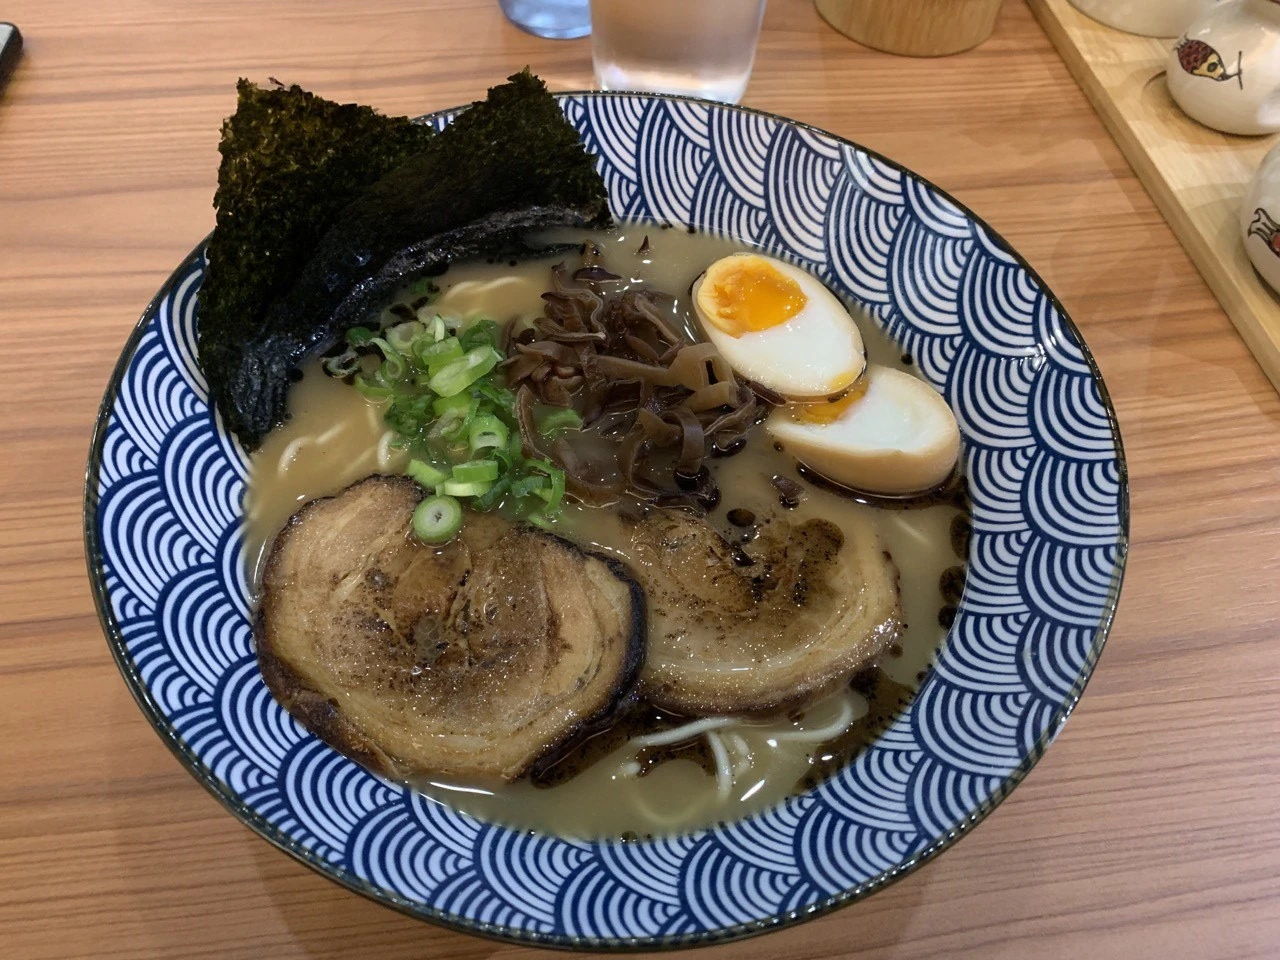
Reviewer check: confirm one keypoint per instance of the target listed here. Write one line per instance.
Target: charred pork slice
(472, 660)
(732, 633)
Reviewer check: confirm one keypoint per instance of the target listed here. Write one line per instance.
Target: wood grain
(922, 28)
(1197, 176)
(1150, 830)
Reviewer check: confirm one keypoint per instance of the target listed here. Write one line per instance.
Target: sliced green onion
(402, 335)
(423, 287)
(476, 471)
(343, 365)
(559, 421)
(481, 333)
(541, 520)
(406, 414)
(528, 485)
(500, 397)
(437, 354)
(393, 368)
(425, 474)
(458, 403)
(360, 336)
(460, 374)
(449, 431)
(555, 497)
(493, 496)
(463, 488)
(371, 389)
(486, 431)
(437, 519)
(555, 494)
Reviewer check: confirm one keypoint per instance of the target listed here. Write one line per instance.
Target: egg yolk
(828, 411)
(750, 295)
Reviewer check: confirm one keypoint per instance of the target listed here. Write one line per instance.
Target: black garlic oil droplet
(951, 584)
(789, 492)
(961, 530)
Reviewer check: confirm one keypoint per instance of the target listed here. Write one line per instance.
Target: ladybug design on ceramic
(1200, 60)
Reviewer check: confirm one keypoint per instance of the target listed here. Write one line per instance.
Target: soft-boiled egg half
(779, 326)
(891, 434)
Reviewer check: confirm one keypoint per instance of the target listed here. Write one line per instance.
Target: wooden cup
(914, 28)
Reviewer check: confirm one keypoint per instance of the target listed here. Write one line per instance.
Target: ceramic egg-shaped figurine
(1147, 18)
(1225, 71)
(1260, 219)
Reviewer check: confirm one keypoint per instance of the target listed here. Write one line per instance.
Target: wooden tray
(1196, 176)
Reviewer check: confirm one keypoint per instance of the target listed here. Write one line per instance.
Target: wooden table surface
(1151, 829)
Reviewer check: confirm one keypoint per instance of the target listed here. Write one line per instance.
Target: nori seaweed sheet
(291, 161)
(507, 165)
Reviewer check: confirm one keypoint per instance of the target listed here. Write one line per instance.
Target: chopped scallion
(449, 432)
(394, 366)
(435, 355)
(425, 474)
(446, 404)
(541, 520)
(342, 365)
(460, 374)
(472, 471)
(460, 402)
(481, 333)
(360, 336)
(486, 431)
(371, 388)
(522, 488)
(403, 335)
(463, 488)
(554, 494)
(423, 287)
(437, 519)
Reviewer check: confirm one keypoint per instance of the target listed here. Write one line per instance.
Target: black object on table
(10, 48)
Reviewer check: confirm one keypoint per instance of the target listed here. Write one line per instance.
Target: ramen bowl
(164, 530)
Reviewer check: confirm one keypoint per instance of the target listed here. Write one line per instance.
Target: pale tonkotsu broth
(335, 437)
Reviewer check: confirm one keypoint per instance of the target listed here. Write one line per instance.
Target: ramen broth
(335, 437)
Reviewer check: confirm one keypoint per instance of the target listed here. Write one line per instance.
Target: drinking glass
(554, 19)
(701, 48)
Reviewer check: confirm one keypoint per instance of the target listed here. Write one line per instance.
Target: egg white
(816, 353)
(898, 437)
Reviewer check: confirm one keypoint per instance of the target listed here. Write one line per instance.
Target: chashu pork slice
(735, 634)
(470, 660)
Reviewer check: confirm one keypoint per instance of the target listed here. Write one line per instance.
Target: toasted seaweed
(505, 166)
(290, 162)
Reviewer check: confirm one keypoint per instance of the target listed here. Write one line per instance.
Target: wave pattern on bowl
(1047, 551)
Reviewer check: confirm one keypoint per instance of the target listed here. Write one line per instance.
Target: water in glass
(555, 19)
(702, 48)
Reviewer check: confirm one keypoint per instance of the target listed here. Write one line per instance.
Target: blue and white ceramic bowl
(163, 526)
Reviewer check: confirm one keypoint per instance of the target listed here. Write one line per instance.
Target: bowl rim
(516, 935)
